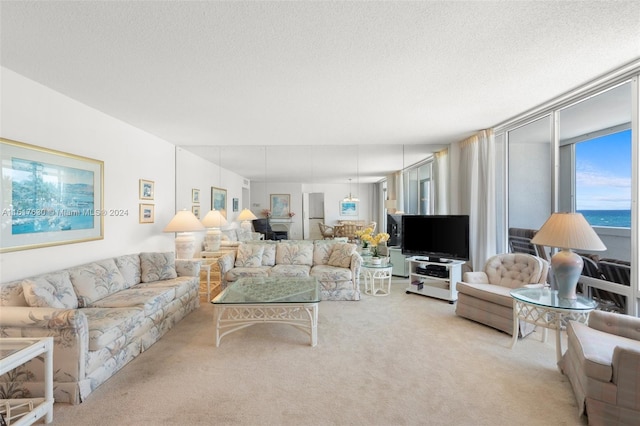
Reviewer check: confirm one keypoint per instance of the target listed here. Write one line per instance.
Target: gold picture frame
(219, 200)
(49, 197)
(280, 206)
(147, 213)
(147, 189)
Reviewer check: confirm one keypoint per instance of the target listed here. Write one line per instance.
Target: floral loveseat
(101, 316)
(335, 264)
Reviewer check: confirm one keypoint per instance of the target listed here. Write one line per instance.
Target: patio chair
(520, 242)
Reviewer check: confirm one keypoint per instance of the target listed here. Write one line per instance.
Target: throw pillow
(96, 280)
(157, 267)
(40, 295)
(129, 266)
(341, 255)
(249, 255)
(294, 253)
(52, 290)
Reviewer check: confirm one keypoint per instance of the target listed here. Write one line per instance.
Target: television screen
(437, 237)
(394, 229)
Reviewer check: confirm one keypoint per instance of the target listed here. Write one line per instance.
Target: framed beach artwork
(195, 196)
(219, 200)
(196, 211)
(147, 213)
(49, 197)
(280, 205)
(348, 208)
(146, 189)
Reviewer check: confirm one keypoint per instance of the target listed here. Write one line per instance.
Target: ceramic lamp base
(185, 245)
(212, 239)
(567, 267)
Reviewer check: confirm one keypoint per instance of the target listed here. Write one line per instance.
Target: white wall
(34, 114)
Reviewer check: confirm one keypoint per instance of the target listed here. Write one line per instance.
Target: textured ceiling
(343, 75)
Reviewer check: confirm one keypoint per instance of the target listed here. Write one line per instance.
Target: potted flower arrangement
(370, 241)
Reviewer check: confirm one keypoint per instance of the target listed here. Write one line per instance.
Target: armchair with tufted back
(484, 296)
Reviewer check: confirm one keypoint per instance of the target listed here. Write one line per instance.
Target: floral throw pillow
(40, 295)
(157, 267)
(50, 291)
(249, 255)
(341, 255)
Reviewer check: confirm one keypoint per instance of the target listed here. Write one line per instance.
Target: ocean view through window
(603, 180)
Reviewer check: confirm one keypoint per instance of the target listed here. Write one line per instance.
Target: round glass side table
(543, 307)
(377, 278)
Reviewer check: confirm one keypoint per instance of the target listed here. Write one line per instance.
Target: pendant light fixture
(350, 197)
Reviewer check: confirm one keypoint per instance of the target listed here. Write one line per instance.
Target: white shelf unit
(441, 288)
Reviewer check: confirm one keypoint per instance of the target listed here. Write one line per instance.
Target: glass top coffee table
(253, 300)
(543, 307)
(14, 352)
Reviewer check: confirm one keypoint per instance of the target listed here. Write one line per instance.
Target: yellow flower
(367, 239)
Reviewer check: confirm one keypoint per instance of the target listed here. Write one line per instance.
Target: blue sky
(603, 173)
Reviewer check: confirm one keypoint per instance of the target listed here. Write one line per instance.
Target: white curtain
(477, 195)
(441, 187)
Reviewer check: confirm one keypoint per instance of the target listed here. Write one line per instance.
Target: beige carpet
(396, 360)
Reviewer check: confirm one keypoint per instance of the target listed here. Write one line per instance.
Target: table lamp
(184, 223)
(391, 206)
(213, 221)
(567, 231)
(245, 217)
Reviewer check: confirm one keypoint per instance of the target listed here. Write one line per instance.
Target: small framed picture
(147, 213)
(195, 196)
(196, 211)
(147, 189)
(235, 204)
(348, 208)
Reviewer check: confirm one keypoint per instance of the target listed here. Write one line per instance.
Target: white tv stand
(435, 286)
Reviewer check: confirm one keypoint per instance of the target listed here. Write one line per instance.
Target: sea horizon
(611, 218)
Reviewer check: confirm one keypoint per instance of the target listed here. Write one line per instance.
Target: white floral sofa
(101, 316)
(335, 264)
(232, 236)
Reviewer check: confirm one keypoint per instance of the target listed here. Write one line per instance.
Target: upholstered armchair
(263, 226)
(602, 363)
(484, 296)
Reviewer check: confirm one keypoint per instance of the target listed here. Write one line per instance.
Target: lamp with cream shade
(213, 221)
(184, 223)
(391, 206)
(567, 231)
(245, 217)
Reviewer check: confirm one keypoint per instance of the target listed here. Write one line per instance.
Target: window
(603, 179)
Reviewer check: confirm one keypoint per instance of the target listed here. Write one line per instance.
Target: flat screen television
(436, 238)
(394, 229)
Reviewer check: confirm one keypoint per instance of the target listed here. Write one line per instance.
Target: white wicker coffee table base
(233, 317)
